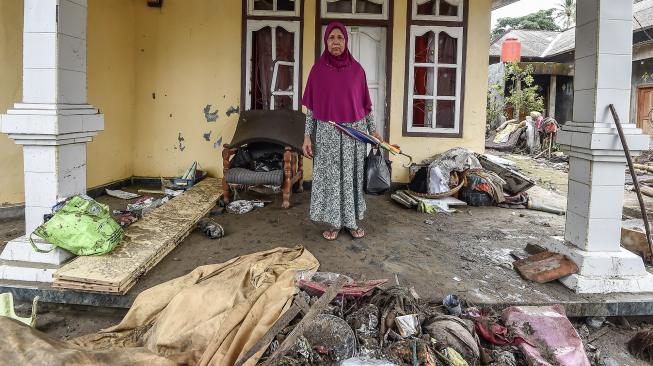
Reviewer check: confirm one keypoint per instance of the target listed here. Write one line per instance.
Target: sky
(522, 7)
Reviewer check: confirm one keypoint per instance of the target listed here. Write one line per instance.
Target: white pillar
(53, 123)
(596, 175)
(553, 85)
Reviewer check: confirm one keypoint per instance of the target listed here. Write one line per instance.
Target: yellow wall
(111, 88)
(475, 90)
(111, 84)
(188, 55)
(11, 89)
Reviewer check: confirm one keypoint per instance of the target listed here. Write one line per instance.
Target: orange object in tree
(511, 50)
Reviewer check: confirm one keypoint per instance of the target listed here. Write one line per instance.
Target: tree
(565, 13)
(541, 20)
(522, 94)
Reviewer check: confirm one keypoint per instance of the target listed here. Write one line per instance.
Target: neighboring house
(153, 72)
(552, 55)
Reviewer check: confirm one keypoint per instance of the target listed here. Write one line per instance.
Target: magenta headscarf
(337, 88)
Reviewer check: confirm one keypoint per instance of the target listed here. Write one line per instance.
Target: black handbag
(377, 173)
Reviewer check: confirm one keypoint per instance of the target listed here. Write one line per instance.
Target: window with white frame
(444, 10)
(273, 7)
(434, 79)
(355, 9)
(272, 69)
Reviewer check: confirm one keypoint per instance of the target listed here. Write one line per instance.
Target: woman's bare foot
(357, 233)
(331, 234)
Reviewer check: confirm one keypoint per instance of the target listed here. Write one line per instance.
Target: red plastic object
(511, 50)
(354, 289)
(554, 339)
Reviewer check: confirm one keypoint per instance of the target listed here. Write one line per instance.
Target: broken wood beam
(298, 306)
(299, 329)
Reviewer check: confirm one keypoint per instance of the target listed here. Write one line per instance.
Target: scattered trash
(452, 304)
(81, 226)
(332, 336)
(241, 207)
(121, 194)
(189, 178)
(172, 192)
(125, 218)
(552, 339)
(408, 325)
(595, 322)
(317, 283)
(7, 309)
(210, 228)
(634, 239)
(366, 361)
(545, 267)
(146, 204)
(454, 332)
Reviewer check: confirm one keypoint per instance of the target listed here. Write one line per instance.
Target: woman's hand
(307, 147)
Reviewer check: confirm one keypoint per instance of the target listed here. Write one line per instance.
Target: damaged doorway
(272, 70)
(369, 28)
(367, 45)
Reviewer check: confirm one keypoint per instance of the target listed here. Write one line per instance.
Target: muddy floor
(465, 253)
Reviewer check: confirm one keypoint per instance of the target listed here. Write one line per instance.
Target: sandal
(357, 233)
(331, 234)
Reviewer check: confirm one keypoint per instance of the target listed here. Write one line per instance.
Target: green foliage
(522, 94)
(496, 105)
(541, 20)
(565, 13)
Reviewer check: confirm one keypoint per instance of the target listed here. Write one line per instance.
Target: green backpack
(82, 226)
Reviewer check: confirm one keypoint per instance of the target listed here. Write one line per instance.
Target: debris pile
(461, 177)
(343, 322)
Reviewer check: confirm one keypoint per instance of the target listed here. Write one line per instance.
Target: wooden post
(300, 168)
(287, 177)
(226, 154)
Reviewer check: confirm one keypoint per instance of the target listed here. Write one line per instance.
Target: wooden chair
(282, 128)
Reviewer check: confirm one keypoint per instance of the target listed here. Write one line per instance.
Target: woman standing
(337, 91)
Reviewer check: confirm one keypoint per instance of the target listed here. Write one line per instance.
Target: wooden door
(645, 110)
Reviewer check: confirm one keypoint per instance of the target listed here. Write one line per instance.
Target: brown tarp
(208, 317)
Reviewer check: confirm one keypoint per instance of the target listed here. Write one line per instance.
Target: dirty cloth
(213, 314)
(554, 339)
(23, 345)
(338, 169)
(457, 159)
(489, 182)
(504, 135)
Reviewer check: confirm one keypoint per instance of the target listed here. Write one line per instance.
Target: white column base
(604, 272)
(20, 262)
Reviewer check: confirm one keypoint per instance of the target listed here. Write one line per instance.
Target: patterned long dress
(338, 169)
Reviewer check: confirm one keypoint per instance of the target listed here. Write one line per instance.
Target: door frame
(363, 22)
(639, 89)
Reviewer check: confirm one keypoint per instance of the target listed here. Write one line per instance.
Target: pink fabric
(548, 328)
(336, 89)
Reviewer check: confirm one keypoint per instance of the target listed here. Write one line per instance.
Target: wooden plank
(278, 326)
(146, 242)
(314, 311)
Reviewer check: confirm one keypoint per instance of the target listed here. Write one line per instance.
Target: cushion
(250, 177)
